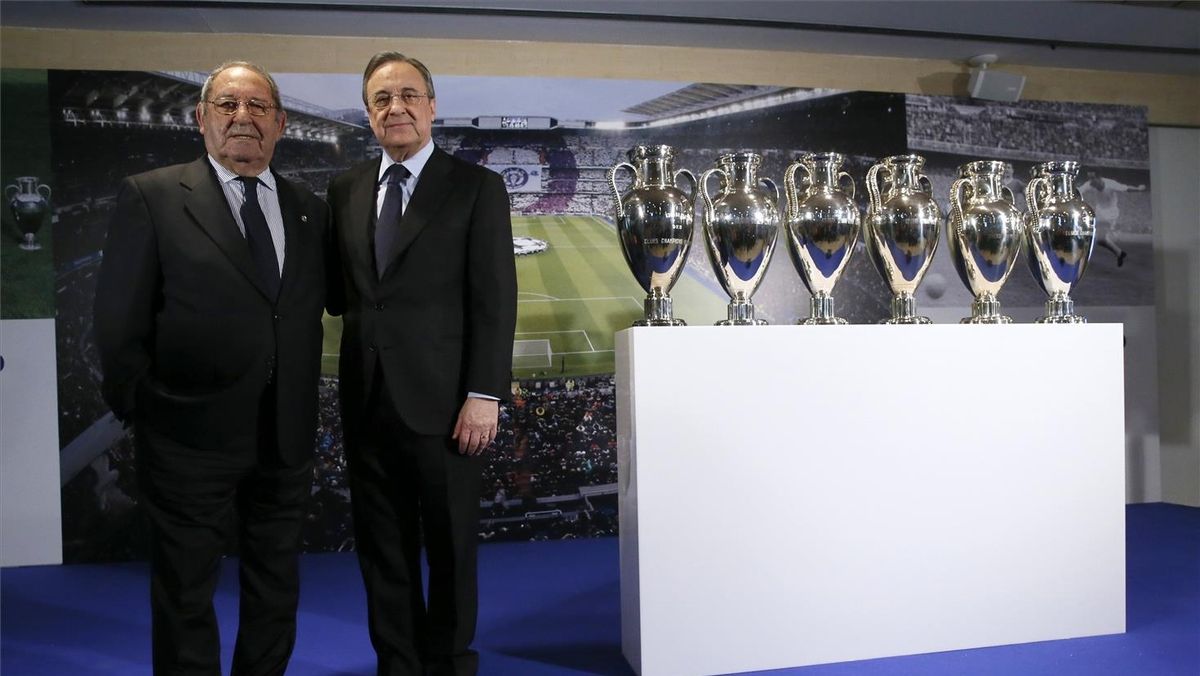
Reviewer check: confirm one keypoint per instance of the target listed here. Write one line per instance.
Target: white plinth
(30, 500)
(799, 495)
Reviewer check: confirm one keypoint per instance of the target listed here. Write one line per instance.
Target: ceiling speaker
(995, 85)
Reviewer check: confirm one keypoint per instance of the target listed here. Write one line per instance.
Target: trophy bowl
(1060, 229)
(654, 221)
(822, 228)
(986, 232)
(903, 224)
(740, 227)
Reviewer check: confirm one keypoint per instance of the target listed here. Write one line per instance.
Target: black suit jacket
(188, 338)
(440, 321)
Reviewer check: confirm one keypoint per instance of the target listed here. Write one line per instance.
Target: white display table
(796, 495)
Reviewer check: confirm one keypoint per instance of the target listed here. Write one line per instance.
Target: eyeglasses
(409, 98)
(230, 107)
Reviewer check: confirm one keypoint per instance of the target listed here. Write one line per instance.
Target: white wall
(1175, 170)
(30, 506)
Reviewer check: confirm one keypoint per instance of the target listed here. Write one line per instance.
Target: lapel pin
(303, 218)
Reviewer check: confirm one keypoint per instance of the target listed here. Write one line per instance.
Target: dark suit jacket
(187, 335)
(440, 322)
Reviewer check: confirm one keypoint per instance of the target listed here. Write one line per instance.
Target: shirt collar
(414, 164)
(224, 175)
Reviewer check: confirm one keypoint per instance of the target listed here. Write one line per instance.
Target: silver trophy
(822, 229)
(986, 231)
(1061, 229)
(28, 201)
(902, 227)
(740, 227)
(654, 224)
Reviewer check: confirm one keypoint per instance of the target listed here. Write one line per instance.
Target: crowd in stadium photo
(1106, 135)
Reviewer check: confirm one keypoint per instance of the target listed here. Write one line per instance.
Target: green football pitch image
(572, 298)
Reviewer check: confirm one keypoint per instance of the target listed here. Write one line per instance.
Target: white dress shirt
(414, 164)
(268, 201)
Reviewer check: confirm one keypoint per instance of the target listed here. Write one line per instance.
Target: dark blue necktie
(387, 226)
(258, 236)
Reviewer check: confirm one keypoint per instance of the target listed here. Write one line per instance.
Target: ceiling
(1157, 37)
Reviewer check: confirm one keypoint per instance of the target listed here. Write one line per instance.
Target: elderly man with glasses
(208, 319)
(429, 304)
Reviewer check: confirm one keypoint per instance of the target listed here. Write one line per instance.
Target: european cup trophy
(822, 228)
(654, 225)
(740, 228)
(28, 201)
(1061, 230)
(902, 227)
(986, 231)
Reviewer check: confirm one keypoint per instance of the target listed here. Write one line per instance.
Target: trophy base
(659, 311)
(1062, 319)
(26, 246)
(820, 312)
(660, 322)
(741, 322)
(904, 311)
(740, 312)
(1060, 309)
(985, 309)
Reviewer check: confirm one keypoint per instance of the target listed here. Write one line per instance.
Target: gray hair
(383, 58)
(254, 68)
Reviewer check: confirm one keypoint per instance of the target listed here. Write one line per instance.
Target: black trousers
(403, 485)
(190, 496)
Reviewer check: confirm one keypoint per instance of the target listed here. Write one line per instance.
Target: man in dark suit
(208, 319)
(429, 302)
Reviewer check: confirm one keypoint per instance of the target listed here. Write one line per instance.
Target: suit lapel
(207, 206)
(360, 208)
(294, 232)
(433, 187)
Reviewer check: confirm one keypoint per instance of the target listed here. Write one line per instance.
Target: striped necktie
(258, 236)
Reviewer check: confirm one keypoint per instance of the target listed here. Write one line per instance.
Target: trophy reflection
(28, 201)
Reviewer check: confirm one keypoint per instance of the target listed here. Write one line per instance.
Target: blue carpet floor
(553, 608)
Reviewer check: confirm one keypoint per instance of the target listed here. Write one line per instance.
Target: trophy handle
(926, 183)
(846, 175)
(612, 183)
(710, 214)
(691, 178)
(773, 186)
(1007, 191)
(874, 187)
(9, 195)
(47, 193)
(789, 188)
(1032, 191)
(956, 200)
